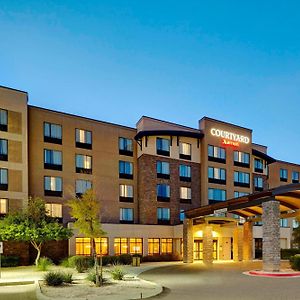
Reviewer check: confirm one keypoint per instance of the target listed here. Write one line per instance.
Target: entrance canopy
(250, 206)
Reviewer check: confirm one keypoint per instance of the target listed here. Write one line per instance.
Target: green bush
(83, 263)
(117, 273)
(54, 278)
(67, 277)
(106, 260)
(287, 253)
(295, 262)
(44, 263)
(125, 259)
(162, 257)
(92, 277)
(10, 261)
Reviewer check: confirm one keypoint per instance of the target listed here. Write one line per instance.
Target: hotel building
(145, 178)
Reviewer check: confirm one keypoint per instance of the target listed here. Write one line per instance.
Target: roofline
(287, 162)
(223, 122)
(81, 117)
(168, 122)
(260, 145)
(12, 89)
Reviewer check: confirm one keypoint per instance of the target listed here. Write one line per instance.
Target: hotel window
(163, 169)
(216, 175)
(83, 138)
(284, 223)
(3, 120)
(166, 246)
(185, 194)
(54, 210)
(185, 151)
(53, 186)
(3, 179)
(3, 150)
(153, 246)
(216, 195)
(125, 169)
(83, 246)
(3, 206)
(163, 192)
(52, 159)
(125, 146)
(126, 215)
(241, 179)
(121, 246)
(83, 164)
(185, 173)
(258, 183)
(216, 154)
(295, 177)
(126, 193)
(181, 216)
(238, 194)
(52, 133)
(163, 146)
(283, 175)
(81, 186)
(136, 246)
(163, 215)
(241, 159)
(258, 165)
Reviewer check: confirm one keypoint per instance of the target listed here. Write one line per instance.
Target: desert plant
(67, 277)
(295, 262)
(117, 273)
(44, 263)
(83, 263)
(54, 278)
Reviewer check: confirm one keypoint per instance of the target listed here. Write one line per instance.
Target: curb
(273, 274)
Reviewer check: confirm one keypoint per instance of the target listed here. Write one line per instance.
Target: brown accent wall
(15, 180)
(15, 151)
(14, 122)
(148, 180)
(17, 249)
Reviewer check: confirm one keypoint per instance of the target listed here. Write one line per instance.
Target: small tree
(86, 212)
(32, 225)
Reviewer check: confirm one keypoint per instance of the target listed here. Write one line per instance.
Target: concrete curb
(256, 273)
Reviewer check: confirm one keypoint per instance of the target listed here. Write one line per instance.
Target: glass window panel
(3, 176)
(3, 117)
(3, 147)
(3, 206)
(185, 148)
(126, 190)
(163, 190)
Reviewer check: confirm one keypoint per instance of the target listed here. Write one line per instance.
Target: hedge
(287, 253)
(295, 262)
(10, 261)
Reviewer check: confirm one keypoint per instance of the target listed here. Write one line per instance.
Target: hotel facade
(145, 178)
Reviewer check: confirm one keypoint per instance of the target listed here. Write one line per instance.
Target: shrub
(105, 260)
(92, 277)
(83, 263)
(295, 262)
(125, 259)
(162, 257)
(54, 278)
(287, 253)
(67, 277)
(117, 273)
(44, 263)
(10, 261)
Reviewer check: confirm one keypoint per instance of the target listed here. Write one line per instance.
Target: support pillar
(188, 241)
(207, 245)
(238, 243)
(271, 235)
(248, 241)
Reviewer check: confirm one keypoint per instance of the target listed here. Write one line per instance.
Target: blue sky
(238, 61)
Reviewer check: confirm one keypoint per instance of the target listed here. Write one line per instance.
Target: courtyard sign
(230, 138)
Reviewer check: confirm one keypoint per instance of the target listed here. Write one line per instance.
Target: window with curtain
(185, 173)
(163, 215)
(54, 210)
(53, 186)
(126, 193)
(216, 153)
(52, 133)
(83, 164)
(121, 246)
(3, 206)
(163, 146)
(166, 246)
(241, 179)
(3, 120)
(125, 169)
(185, 194)
(216, 194)
(81, 186)
(125, 146)
(52, 159)
(163, 169)
(126, 215)
(3, 149)
(185, 150)
(83, 138)
(241, 159)
(163, 192)
(153, 246)
(3, 179)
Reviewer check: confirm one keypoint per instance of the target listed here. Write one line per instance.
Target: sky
(237, 61)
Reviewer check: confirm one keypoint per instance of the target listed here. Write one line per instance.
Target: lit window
(83, 138)
(52, 133)
(83, 164)
(241, 159)
(153, 247)
(217, 154)
(283, 175)
(3, 150)
(166, 246)
(163, 146)
(241, 179)
(3, 120)
(163, 192)
(216, 195)
(84, 247)
(3, 206)
(163, 215)
(185, 194)
(185, 150)
(163, 169)
(121, 246)
(125, 146)
(53, 186)
(3, 179)
(136, 246)
(54, 210)
(126, 193)
(185, 173)
(82, 186)
(125, 169)
(126, 215)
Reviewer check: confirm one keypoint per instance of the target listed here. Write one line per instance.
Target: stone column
(207, 245)
(238, 243)
(248, 241)
(111, 245)
(145, 247)
(188, 241)
(271, 235)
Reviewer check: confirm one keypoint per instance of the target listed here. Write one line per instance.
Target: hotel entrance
(198, 249)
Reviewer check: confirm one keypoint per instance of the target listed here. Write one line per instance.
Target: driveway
(222, 281)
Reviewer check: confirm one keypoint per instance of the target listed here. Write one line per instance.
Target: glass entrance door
(198, 249)
(215, 249)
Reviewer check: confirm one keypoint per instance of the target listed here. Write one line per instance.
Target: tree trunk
(38, 248)
(98, 282)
